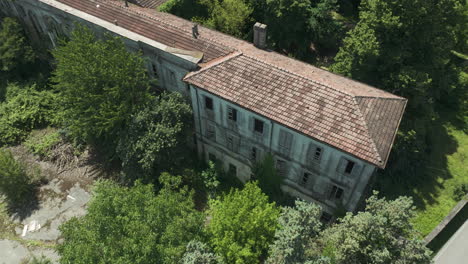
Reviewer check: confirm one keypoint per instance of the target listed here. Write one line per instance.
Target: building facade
(328, 134)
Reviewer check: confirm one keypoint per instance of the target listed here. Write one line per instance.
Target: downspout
(271, 135)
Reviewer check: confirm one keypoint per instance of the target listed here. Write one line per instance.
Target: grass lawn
(437, 208)
(432, 182)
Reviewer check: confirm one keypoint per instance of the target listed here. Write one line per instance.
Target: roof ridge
(118, 5)
(383, 98)
(298, 75)
(215, 62)
(364, 121)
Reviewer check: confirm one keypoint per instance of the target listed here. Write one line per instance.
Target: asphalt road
(455, 251)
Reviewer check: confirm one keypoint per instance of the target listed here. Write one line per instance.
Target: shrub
(42, 142)
(25, 108)
(460, 191)
(5, 222)
(15, 182)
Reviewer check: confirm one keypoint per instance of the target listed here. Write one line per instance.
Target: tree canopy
(155, 137)
(381, 234)
(15, 50)
(133, 225)
(242, 225)
(101, 84)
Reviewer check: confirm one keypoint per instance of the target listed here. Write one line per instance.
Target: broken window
(208, 103)
(336, 193)
(253, 154)
(305, 178)
(349, 167)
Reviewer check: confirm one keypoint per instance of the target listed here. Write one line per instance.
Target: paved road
(455, 251)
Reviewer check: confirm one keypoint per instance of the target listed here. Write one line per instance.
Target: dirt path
(65, 195)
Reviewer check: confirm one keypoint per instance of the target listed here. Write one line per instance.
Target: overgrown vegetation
(16, 183)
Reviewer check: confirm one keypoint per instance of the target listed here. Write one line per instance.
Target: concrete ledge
(455, 211)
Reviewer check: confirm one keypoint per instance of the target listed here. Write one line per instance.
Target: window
(305, 179)
(212, 157)
(209, 103)
(285, 142)
(211, 132)
(326, 217)
(317, 154)
(230, 142)
(349, 167)
(336, 193)
(281, 167)
(232, 114)
(232, 169)
(155, 71)
(258, 126)
(253, 154)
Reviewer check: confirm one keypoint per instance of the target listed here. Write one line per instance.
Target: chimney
(195, 31)
(260, 33)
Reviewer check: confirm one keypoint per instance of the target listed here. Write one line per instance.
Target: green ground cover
(449, 174)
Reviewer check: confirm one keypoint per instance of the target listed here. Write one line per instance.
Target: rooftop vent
(260, 33)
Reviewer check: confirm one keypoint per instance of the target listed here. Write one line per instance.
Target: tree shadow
(29, 203)
(419, 175)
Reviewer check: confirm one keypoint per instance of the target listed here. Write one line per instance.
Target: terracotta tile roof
(354, 117)
(148, 3)
(363, 127)
(139, 22)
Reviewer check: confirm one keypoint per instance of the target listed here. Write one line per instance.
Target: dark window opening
(349, 167)
(258, 126)
(232, 169)
(336, 193)
(326, 217)
(211, 132)
(253, 154)
(281, 167)
(317, 154)
(232, 114)
(208, 103)
(155, 71)
(212, 157)
(305, 178)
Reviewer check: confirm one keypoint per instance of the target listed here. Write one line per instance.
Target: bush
(5, 222)
(15, 182)
(460, 191)
(25, 108)
(42, 142)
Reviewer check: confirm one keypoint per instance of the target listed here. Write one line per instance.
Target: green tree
(133, 225)
(155, 139)
(15, 50)
(268, 179)
(210, 179)
(298, 225)
(232, 17)
(381, 234)
(101, 84)
(242, 225)
(404, 47)
(15, 183)
(199, 253)
(294, 25)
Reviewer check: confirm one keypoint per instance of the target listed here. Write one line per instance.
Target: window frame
(258, 122)
(232, 114)
(211, 103)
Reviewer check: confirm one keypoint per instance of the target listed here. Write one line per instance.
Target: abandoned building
(328, 134)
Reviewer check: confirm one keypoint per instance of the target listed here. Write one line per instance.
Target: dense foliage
(25, 108)
(381, 234)
(295, 25)
(100, 84)
(15, 182)
(154, 139)
(199, 253)
(15, 51)
(133, 225)
(298, 226)
(242, 225)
